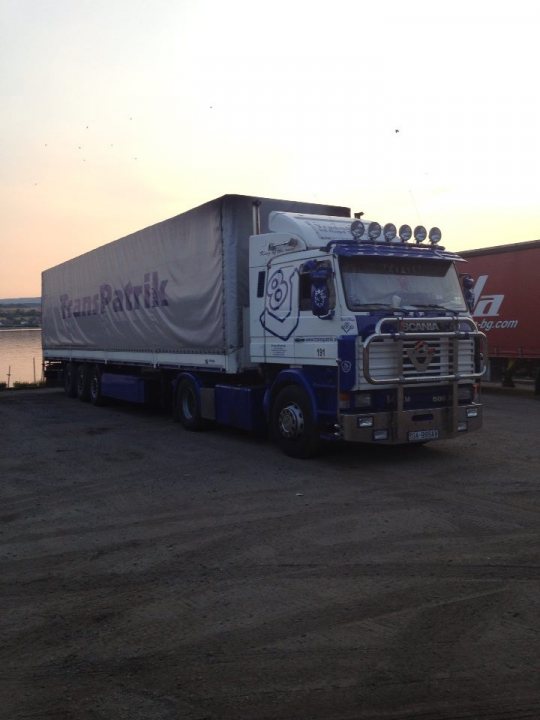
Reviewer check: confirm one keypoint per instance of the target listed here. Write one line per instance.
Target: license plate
(418, 435)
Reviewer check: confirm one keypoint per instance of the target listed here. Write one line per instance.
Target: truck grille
(415, 358)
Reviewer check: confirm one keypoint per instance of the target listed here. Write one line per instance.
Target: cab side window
(305, 291)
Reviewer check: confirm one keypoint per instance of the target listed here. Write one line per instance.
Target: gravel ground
(151, 573)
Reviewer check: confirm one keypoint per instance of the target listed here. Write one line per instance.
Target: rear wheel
(70, 379)
(94, 386)
(83, 383)
(293, 424)
(188, 405)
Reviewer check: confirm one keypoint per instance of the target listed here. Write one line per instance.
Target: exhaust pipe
(256, 209)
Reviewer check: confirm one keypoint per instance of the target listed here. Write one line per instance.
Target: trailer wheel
(188, 406)
(292, 423)
(70, 379)
(94, 386)
(83, 382)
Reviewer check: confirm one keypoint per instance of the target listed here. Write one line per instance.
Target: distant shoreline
(19, 315)
(18, 327)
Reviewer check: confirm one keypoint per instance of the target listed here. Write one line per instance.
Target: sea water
(20, 355)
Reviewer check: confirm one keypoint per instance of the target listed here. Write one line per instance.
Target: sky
(116, 114)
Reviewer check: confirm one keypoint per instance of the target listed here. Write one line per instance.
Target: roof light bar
(362, 232)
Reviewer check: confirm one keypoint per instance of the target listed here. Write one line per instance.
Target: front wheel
(293, 424)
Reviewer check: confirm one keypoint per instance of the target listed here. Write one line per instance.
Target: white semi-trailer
(269, 314)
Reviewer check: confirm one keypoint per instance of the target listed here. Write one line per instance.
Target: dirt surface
(151, 573)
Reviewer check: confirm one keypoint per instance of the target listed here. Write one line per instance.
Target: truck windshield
(400, 283)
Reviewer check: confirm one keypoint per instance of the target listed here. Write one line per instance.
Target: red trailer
(506, 307)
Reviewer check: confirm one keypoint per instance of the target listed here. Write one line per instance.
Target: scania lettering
(272, 315)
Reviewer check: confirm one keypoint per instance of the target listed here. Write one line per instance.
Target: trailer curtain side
(175, 287)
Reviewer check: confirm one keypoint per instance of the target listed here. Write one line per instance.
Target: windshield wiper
(431, 306)
(375, 306)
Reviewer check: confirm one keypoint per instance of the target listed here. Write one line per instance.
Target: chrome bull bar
(400, 336)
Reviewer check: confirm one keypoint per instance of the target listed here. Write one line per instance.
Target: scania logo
(420, 326)
(420, 355)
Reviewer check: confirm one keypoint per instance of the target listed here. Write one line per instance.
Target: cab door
(280, 316)
(319, 322)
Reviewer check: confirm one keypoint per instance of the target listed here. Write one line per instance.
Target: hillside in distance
(20, 313)
(16, 302)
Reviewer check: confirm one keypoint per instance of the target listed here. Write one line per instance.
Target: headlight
(362, 400)
(364, 421)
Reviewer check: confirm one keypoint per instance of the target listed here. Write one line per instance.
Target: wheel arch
(184, 375)
(285, 378)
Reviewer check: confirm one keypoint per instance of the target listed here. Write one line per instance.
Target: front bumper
(410, 426)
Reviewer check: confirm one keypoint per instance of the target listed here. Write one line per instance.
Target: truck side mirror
(468, 284)
(320, 293)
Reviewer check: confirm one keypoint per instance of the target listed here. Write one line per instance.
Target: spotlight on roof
(420, 234)
(374, 230)
(389, 232)
(435, 235)
(405, 233)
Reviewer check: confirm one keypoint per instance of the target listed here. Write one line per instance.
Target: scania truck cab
(364, 333)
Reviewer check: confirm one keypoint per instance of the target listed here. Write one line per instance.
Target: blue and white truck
(269, 315)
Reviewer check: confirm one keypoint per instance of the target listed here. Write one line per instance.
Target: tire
(94, 386)
(83, 382)
(187, 409)
(70, 379)
(292, 423)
